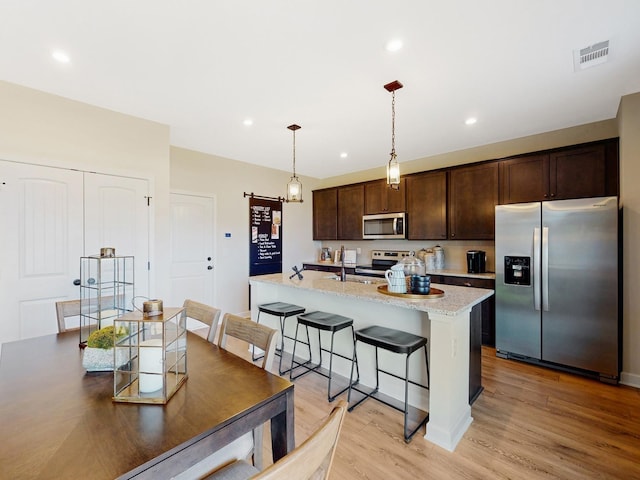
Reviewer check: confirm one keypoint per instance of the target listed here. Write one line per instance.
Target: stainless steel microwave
(385, 225)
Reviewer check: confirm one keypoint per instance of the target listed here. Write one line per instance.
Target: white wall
(228, 180)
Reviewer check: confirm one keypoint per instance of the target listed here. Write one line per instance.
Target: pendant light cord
(393, 123)
(294, 154)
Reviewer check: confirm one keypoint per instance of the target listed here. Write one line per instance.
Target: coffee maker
(476, 261)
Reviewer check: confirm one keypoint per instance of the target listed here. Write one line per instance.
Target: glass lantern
(156, 351)
(106, 291)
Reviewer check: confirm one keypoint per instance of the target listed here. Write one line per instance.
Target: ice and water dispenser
(517, 270)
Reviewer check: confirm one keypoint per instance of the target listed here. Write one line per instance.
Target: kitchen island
(445, 321)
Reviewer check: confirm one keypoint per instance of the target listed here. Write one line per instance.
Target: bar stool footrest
(317, 368)
(416, 418)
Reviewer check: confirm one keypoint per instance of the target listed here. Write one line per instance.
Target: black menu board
(265, 247)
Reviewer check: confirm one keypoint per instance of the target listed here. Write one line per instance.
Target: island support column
(449, 409)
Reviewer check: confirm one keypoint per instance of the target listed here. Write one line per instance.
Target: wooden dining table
(58, 421)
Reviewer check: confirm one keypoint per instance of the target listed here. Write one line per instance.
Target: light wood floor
(529, 423)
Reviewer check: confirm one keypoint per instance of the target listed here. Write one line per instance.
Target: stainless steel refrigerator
(557, 284)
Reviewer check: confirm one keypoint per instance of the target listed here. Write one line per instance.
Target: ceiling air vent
(591, 56)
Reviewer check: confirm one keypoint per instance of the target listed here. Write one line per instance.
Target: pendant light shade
(294, 187)
(393, 167)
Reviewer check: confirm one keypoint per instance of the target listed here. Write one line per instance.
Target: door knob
(76, 282)
(209, 267)
(208, 259)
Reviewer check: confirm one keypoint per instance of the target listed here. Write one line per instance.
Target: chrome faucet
(343, 275)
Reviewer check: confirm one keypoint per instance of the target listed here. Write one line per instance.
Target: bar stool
(282, 311)
(395, 341)
(331, 323)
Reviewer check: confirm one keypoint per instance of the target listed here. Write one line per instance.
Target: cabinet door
(578, 172)
(473, 195)
(524, 179)
(379, 198)
(488, 306)
(325, 214)
(427, 206)
(395, 199)
(374, 201)
(350, 211)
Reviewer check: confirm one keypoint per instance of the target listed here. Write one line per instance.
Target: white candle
(151, 364)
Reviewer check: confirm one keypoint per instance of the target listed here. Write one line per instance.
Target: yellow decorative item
(99, 356)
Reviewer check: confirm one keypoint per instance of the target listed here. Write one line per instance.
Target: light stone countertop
(456, 299)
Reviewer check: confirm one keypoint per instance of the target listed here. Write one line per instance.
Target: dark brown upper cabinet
(578, 173)
(379, 198)
(350, 211)
(524, 179)
(325, 214)
(589, 170)
(473, 195)
(427, 206)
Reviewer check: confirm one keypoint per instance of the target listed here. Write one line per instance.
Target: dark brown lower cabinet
(488, 307)
(475, 354)
(328, 268)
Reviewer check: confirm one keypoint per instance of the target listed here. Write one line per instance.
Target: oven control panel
(389, 254)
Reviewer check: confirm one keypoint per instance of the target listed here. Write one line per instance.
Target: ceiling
(204, 66)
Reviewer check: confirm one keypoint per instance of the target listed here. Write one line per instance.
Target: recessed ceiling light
(344, 155)
(61, 56)
(394, 45)
(247, 122)
(470, 120)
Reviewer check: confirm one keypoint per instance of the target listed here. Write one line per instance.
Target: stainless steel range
(381, 260)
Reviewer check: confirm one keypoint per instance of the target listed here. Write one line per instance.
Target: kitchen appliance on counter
(384, 226)
(557, 285)
(476, 261)
(438, 251)
(381, 260)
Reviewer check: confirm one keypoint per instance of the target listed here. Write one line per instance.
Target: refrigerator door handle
(535, 278)
(545, 269)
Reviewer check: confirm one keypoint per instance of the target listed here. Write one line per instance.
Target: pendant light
(393, 168)
(294, 187)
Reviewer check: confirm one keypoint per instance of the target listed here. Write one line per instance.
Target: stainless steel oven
(381, 260)
(385, 225)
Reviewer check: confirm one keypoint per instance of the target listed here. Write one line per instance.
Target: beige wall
(40, 128)
(629, 125)
(44, 129)
(558, 138)
(227, 181)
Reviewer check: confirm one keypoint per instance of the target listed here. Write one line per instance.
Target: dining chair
(205, 314)
(107, 305)
(65, 309)
(311, 460)
(250, 444)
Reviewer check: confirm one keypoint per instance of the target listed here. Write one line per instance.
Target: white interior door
(116, 214)
(49, 218)
(40, 246)
(192, 249)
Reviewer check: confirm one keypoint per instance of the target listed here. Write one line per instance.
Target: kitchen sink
(358, 279)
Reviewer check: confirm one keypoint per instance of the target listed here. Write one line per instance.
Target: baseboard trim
(630, 379)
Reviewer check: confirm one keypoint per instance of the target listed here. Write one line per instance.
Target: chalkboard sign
(265, 248)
